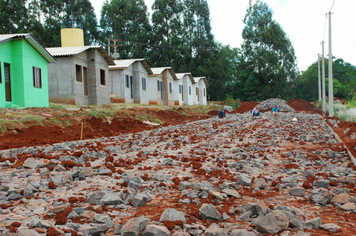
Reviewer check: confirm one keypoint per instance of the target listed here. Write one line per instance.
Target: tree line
(177, 34)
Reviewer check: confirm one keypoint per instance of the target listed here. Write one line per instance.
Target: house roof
(32, 41)
(196, 80)
(70, 51)
(181, 75)
(159, 70)
(124, 64)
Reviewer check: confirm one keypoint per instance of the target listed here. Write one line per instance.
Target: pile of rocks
(234, 176)
(270, 103)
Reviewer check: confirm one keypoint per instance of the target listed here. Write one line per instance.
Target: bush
(230, 101)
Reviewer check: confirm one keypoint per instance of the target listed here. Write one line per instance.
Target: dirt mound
(244, 107)
(302, 105)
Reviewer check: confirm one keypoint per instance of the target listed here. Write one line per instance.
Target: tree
(167, 41)
(67, 13)
(268, 55)
(128, 21)
(344, 80)
(13, 17)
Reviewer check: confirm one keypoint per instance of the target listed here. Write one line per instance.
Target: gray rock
(215, 230)
(134, 226)
(313, 223)
(172, 215)
(231, 193)
(102, 218)
(33, 163)
(272, 223)
(111, 199)
(140, 200)
(244, 179)
(330, 227)
(96, 231)
(208, 211)
(242, 232)
(322, 183)
(156, 230)
(297, 191)
(184, 185)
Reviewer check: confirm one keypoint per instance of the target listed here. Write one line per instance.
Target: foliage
(230, 101)
(344, 80)
(13, 17)
(128, 21)
(269, 64)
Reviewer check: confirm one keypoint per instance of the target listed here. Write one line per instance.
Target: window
(190, 90)
(143, 83)
(204, 92)
(7, 82)
(78, 73)
(180, 89)
(86, 88)
(102, 77)
(158, 88)
(170, 87)
(197, 91)
(0, 74)
(127, 81)
(37, 79)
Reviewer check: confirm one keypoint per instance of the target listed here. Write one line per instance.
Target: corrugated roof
(181, 75)
(196, 79)
(32, 41)
(159, 70)
(70, 51)
(125, 63)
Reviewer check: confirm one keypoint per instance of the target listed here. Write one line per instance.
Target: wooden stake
(81, 132)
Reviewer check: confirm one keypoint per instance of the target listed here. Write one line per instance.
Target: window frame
(144, 86)
(102, 77)
(37, 77)
(78, 73)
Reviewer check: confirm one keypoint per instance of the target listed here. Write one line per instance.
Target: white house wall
(188, 98)
(153, 95)
(178, 98)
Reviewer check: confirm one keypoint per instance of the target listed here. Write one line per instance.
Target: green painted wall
(22, 57)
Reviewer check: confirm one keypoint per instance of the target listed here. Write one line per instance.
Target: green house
(23, 72)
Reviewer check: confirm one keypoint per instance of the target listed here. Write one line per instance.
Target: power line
(332, 5)
(326, 16)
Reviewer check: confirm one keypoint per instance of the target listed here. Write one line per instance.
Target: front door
(7, 82)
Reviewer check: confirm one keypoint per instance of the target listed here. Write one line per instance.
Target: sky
(305, 22)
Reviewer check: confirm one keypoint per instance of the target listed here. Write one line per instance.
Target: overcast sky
(304, 21)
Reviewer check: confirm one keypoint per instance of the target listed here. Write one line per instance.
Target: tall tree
(268, 54)
(128, 21)
(344, 80)
(68, 13)
(13, 17)
(167, 40)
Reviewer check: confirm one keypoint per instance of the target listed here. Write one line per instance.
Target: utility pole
(319, 78)
(323, 75)
(331, 92)
(113, 45)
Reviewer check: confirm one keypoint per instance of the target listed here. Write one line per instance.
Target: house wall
(188, 98)
(154, 96)
(178, 94)
(22, 57)
(96, 64)
(202, 95)
(64, 88)
(139, 72)
(61, 80)
(5, 57)
(117, 78)
(168, 96)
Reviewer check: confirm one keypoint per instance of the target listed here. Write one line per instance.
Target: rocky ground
(291, 174)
